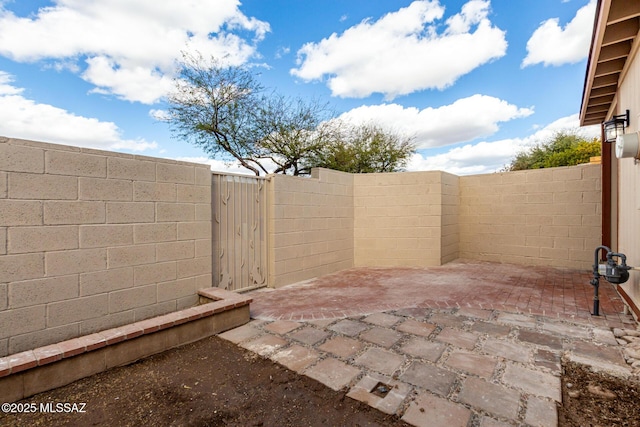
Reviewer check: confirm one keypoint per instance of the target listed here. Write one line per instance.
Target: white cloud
(218, 165)
(128, 47)
(487, 157)
(402, 52)
(552, 45)
(464, 120)
(24, 118)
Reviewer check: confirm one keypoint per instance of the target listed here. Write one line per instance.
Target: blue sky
(475, 81)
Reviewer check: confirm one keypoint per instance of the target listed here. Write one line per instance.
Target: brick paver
(342, 346)
(458, 338)
(381, 336)
(349, 327)
(423, 348)
(482, 366)
(333, 373)
(296, 358)
(429, 377)
(431, 411)
(533, 382)
(281, 327)
(414, 327)
(365, 391)
(541, 413)
(490, 397)
(382, 319)
(379, 360)
(308, 335)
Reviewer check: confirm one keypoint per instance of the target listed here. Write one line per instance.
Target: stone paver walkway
(456, 365)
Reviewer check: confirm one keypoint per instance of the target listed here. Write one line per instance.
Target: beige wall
(405, 219)
(628, 178)
(310, 225)
(538, 217)
(91, 239)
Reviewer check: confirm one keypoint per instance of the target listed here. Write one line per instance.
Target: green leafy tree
(364, 148)
(563, 149)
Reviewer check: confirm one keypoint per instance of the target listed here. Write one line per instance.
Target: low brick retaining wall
(45, 368)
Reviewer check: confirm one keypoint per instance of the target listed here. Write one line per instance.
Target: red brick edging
(222, 301)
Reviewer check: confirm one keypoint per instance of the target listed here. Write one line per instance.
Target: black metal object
(611, 271)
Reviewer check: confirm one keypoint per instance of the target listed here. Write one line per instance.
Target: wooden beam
(615, 51)
(622, 10)
(608, 80)
(621, 31)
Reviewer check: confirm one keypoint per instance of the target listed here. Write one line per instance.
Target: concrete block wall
(91, 240)
(310, 225)
(399, 219)
(537, 217)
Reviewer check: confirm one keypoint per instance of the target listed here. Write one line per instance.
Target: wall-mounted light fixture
(615, 127)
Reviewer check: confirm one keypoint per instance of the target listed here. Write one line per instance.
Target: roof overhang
(615, 36)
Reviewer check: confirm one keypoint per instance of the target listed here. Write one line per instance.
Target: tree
(212, 106)
(364, 148)
(226, 111)
(292, 130)
(563, 149)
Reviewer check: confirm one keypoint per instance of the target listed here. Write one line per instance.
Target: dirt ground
(208, 383)
(215, 383)
(597, 400)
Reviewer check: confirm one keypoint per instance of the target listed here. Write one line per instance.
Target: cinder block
(105, 281)
(22, 321)
(177, 173)
(130, 212)
(41, 338)
(3, 240)
(171, 251)
(194, 194)
(133, 169)
(16, 158)
(203, 212)
(101, 236)
(59, 213)
(98, 324)
(77, 261)
(175, 212)
(4, 297)
(128, 299)
(158, 232)
(154, 191)
(42, 291)
(40, 239)
(75, 164)
(21, 267)
(105, 189)
(203, 175)
(194, 230)
(77, 309)
(203, 247)
(176, 289)
(155, 273)
(3, 185)
(194, 267)
(18, 212)
(42, 186)
(155, 310)
(131, 255)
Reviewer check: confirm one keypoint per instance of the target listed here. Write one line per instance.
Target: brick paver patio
(431, 346)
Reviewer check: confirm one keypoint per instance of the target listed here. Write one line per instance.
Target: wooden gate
(239, 210)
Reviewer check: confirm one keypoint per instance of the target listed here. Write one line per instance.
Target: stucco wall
(310, 225)
(537, 217)
(628, 180)
(91, 240)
